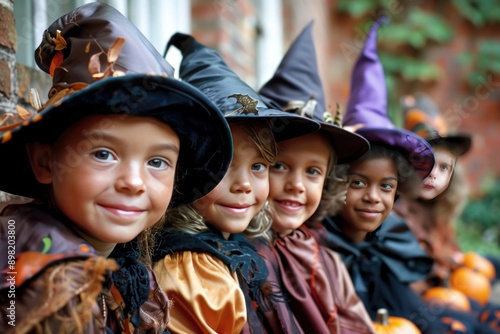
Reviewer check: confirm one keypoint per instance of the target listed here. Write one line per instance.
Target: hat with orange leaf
(422, 117)
(102, 64)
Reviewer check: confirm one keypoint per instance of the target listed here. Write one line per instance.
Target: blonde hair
(186, 218)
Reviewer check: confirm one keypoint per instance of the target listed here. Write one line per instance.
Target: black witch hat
(296, 86)
(205, 68)
(422, 116)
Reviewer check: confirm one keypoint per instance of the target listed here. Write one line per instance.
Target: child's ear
(40, 156)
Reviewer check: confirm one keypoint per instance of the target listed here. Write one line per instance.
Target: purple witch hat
(296, 86)
(367, 105)
(204, 68)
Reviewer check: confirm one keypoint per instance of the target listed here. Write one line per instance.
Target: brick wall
(229, 27)
(8, 86)
(8, 44)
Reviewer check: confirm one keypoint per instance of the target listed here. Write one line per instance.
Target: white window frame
(156, 19)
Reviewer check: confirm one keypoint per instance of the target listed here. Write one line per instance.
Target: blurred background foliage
(404, 42)
(479, 223)
(402, 48)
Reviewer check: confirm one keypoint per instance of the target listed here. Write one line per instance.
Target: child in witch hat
(443, 192)
(213, 275)
(381, 253)
(431, 215)
(118, 142)
(314, 278)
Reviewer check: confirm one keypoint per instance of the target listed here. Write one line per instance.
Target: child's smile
(296, 181)
(113, 176)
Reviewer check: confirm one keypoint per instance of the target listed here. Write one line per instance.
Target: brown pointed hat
(102, 64)
(422, 116)
(296, 86)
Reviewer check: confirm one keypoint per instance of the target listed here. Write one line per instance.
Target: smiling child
(203, 262)
(312, 277)
(102, 160)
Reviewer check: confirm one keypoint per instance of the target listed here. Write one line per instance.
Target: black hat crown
(205, 68)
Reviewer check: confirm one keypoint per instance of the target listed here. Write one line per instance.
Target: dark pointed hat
(367, 105)
(422, 117)
(296, 86)
(102, 64)
(205, 68)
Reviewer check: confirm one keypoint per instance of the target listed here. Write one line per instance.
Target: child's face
(242, 192)
(296, 181)
(370, 196)
(112, 175)
(439, 178)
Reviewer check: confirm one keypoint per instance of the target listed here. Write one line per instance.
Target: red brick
(5, 81)
(8, 36)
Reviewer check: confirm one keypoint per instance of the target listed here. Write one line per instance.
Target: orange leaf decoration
(22, 112)
(29, 263)
(115, 49)
(59, 41)
(94, 64)
(15, 119)
(56, 62)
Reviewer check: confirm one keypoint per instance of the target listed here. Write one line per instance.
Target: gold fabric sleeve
(205, 295)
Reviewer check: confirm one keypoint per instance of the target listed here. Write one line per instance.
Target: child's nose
(241, 183)
(372, 194)
(295, 183)
(131, 179)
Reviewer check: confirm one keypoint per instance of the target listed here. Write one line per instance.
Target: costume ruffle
(236, 253)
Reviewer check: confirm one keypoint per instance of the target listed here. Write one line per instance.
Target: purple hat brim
(417, 151)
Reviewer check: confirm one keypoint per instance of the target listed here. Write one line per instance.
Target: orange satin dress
(206, 296)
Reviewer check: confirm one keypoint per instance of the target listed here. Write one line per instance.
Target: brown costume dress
(317, 285)
(54, 282)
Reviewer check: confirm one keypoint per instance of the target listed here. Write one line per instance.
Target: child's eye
(278, 166)
(387, 186)
(313, 171)
(103, 155)
(357, 183)
(158, 163)
(444, 167)
(259, 167)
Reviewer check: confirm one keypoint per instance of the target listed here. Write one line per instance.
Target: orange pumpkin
(446, 296)
(472, 284)
(393, 325)
(480, 264)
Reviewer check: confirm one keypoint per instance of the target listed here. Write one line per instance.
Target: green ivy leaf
(357, 8)
(417, 39)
